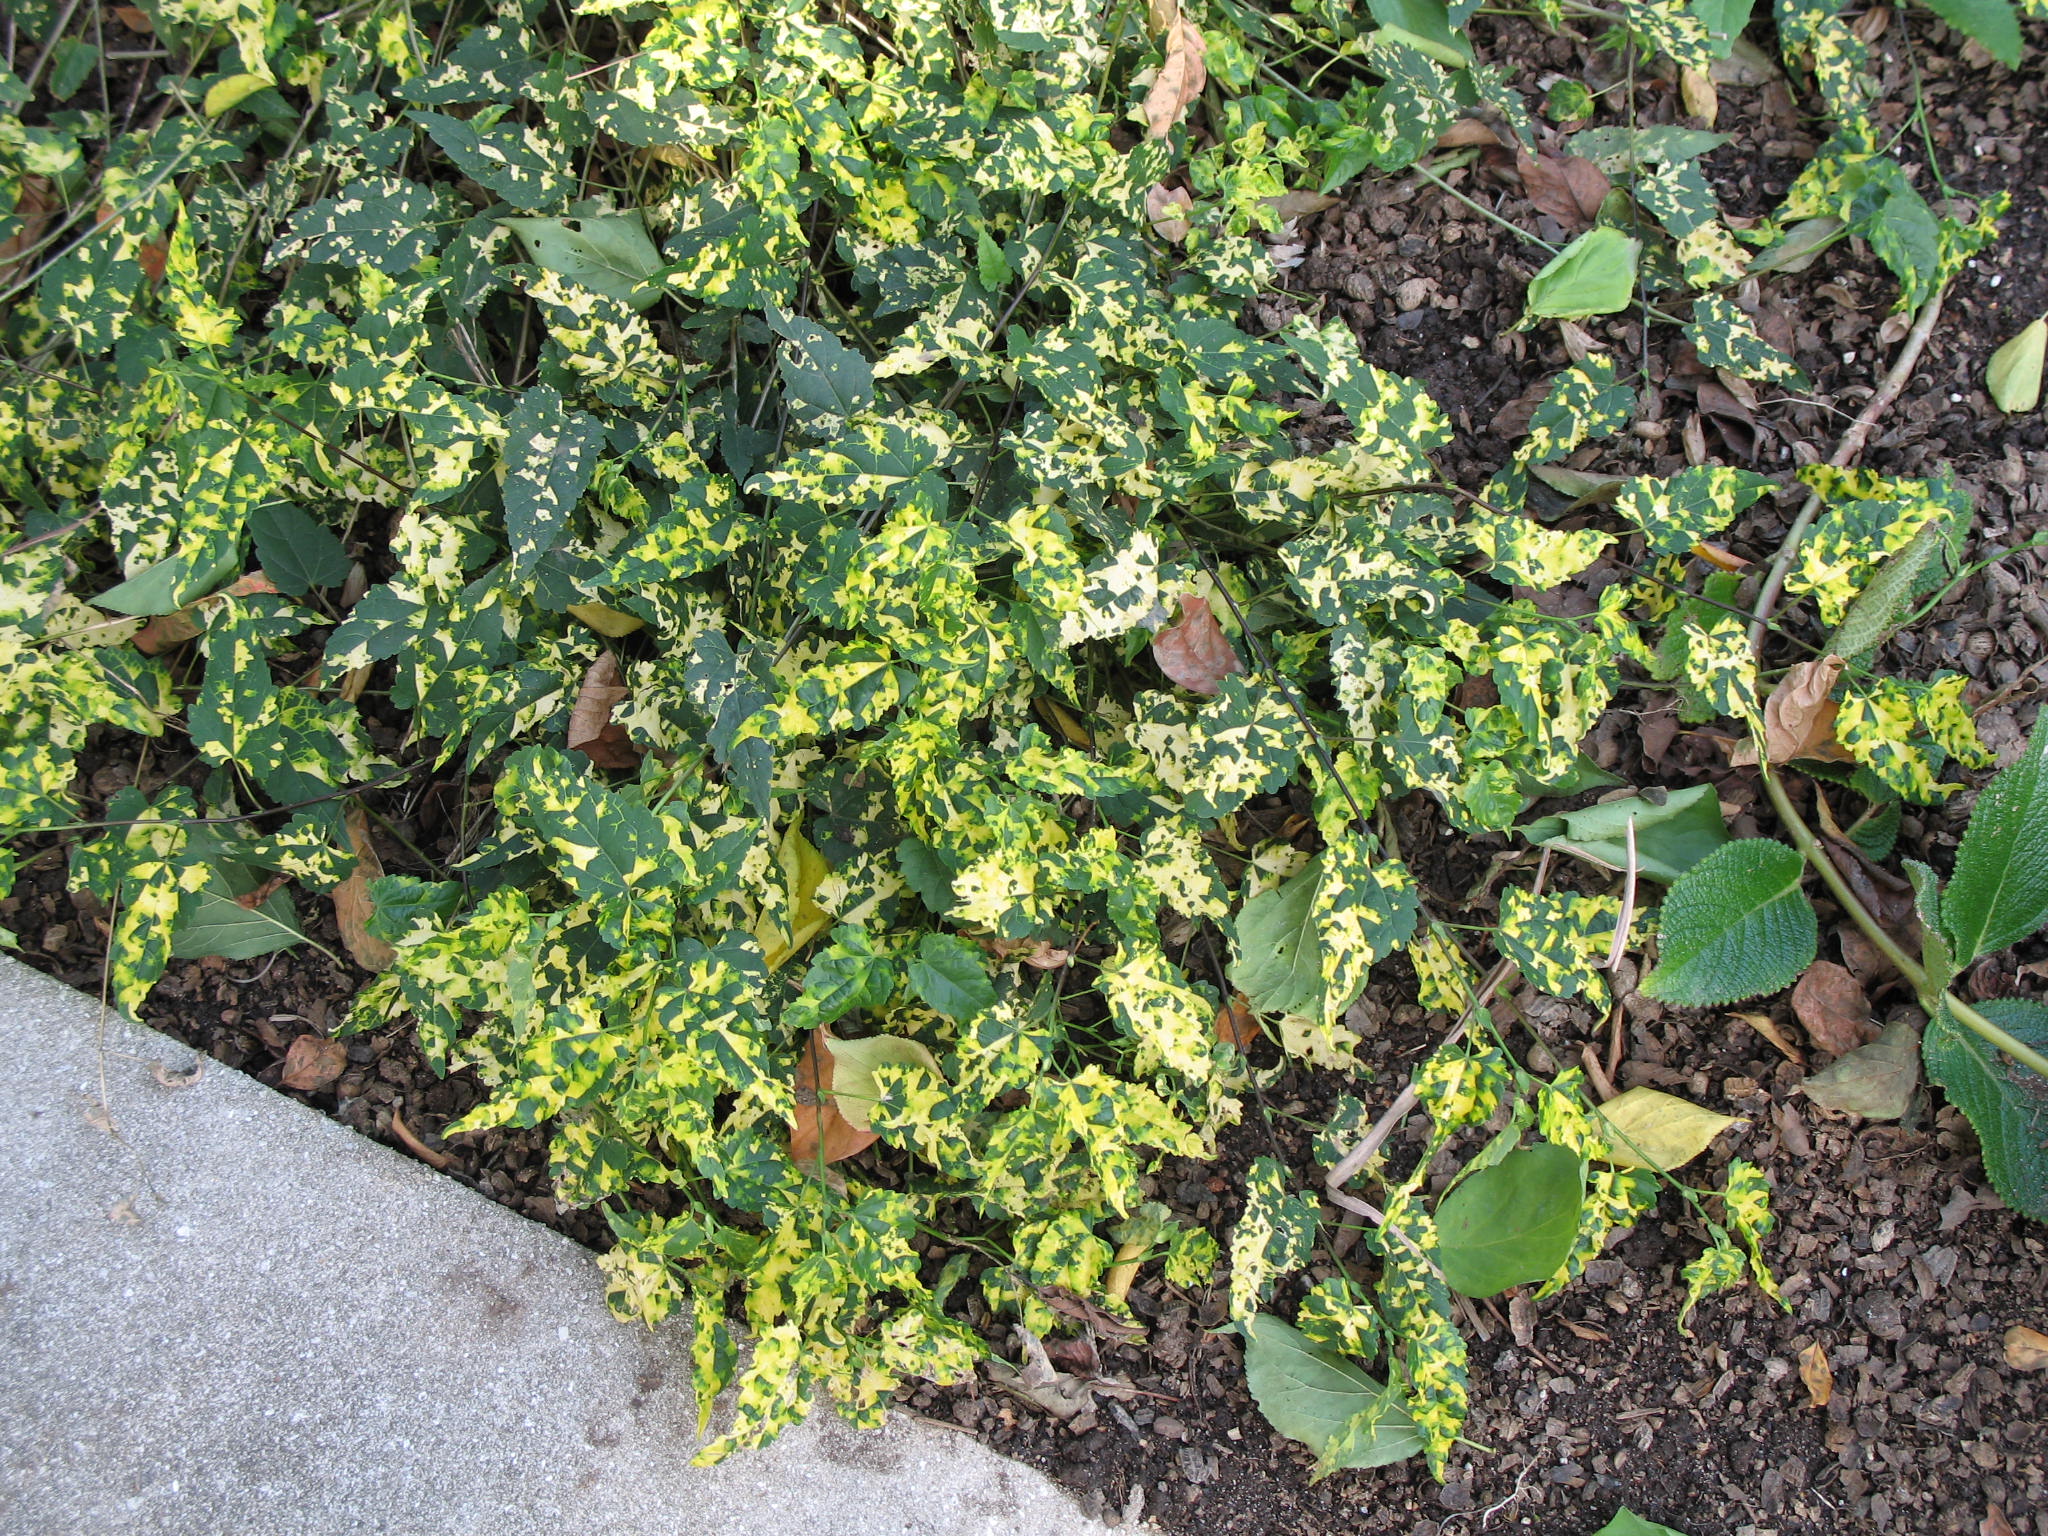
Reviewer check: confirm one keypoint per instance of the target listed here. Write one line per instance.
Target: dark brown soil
(1893, 1254)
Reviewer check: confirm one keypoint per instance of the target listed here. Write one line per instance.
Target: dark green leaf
(1999, 892)
(926, 873)
(1734, 926)
(399, 902)
(1513, 1223)
(1991, 22)
(2007, 1103)
(213, 921)
(951, 975)
(296, 553)
(820, 372)
(521, 166)
(608, 253)
(383, 223)
(1670, 838)
(550, 454)
(1279, 964)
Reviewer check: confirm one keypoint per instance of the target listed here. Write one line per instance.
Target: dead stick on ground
(1845, 453)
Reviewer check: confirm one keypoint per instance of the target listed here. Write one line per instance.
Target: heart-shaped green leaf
(1512, 1223)
(1734, 926)
(1321, 1399)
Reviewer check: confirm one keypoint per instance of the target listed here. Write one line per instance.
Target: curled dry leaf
(818, 1133)
(2026, 1349)
(1180, 78)
(1194, 651)
(1165, 209)
(1875, 1081)
(1767, 1026)
(1832, 1008)
(353, 907)
(592, 730)
(1817, 1375)
(313, 1063)
(169, 629)
(418, 1148)
(1467, 133)
(1799, 717)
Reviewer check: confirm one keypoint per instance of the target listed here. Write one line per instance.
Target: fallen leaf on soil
(1235, 1023)
(1817, 1375)
(1875, 1081)
(418, 1148)
(1296, 205)
(1866, 962)
(1767, 1026)
(1083, 1310)
(1181, 77)
(1799, 717)
(168, 629)
(1569, 188)
(2026, 1349)
(2013, 376)
(353, 907)
(1194, 651)
(1994, 1523)
(1039, 1382)
(1696, 92)
(591, 728)
(1832, 1008)
(135, 19)
(818, 1132)
(313, 1063)
(1657, 1130)
(1466, 133)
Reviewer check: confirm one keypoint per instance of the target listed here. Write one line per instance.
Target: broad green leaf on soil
(1649, 1129)
(550, 454)
(1670, 838)
(1594, 275)
(296, 553)
(951, 975)
(1321, 1399)
(1734, 926)
(1627, 1522)
(1999, 891)
(1876, 1080)
(2007, 1103)
(2013, 376)
(608, 253)
(1513, 1223)
(399, 903)
(1991, 22)
(853, 1070)
(1279, 964)
(213, 920)
(1885, 603)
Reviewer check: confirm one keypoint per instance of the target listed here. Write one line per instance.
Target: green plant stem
(1932, 998)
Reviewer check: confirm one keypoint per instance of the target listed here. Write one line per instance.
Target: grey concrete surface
(223, 1315)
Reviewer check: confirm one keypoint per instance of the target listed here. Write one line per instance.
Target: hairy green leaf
(1734, 926)
(2007, 1103)
(1999, 891)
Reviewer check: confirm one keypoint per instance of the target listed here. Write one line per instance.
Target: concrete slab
(224, 1315)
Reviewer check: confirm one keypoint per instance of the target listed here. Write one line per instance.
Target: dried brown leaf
(2026, 1349)
(591, 728)
(135, 19)
(1799, 717)
(418, 1148)
(1236, 1024)
(1876, 1081)
(1164, 208)
(1569, 188)
(1467, 133)
(1767, 1026)
(313, 1063)
(1180, 79)
(33, 205)
(1832, 1008)
(1697, 94)
(818, 1132)
(1195, 652)
(1995, 1523)
(1817, 1375)
(353, 907)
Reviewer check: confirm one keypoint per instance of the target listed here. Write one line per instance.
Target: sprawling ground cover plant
(828, 500)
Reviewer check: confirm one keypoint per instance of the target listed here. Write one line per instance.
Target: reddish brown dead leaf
(1816, 1375)
(1799, 717)
(33, 205)
(1994, 1522)
(1567, 187)
(1467, 133)
(818, 1133)
(1236, 1025)
(591, 729)
(1832, 1008)
(251, 900)
(135, 19)
(1180, 78)
(1195, 652)
(313, 1063)
(1165, 211)
(169, 629)
(353, 907)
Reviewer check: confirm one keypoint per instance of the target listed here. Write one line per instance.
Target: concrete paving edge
(224, 1315)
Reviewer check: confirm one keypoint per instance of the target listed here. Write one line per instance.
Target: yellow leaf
(1655, 1130)
(608, 622)
(1817, 1375)
(2026, 1349)
(2013, 376)
(803, 870)
(226, 95)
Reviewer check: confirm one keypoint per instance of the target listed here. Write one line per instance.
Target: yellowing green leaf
(2013, 375)
(1594, 275)
(1649, 1129)
(226, 95)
